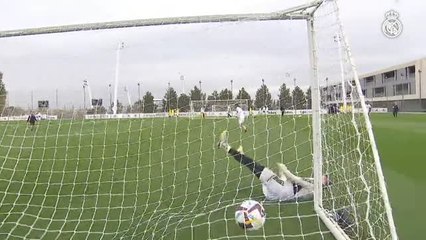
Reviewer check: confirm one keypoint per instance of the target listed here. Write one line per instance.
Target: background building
(404, 84)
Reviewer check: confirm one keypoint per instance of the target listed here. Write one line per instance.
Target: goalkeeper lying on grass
(282, 187)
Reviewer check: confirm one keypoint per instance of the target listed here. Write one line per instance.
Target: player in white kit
(282, 187)
(241, 117)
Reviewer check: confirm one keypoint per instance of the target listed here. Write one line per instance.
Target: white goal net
(140, 169)
(357, 201)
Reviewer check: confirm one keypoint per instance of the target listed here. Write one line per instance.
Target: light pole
(84, 96)
(232, 87)
(182, 78)
(294, 91)
(168, 97)
(326, 89)
(117, 64)
(420, 86)
(264, 92)
(110, 96)
(139, 91)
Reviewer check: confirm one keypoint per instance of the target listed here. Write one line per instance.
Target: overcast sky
(211, 53)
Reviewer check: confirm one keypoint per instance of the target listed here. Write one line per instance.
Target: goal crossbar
(295, 13)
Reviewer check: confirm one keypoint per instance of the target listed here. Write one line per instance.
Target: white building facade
(404, 84)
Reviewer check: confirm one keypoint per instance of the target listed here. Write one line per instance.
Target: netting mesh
(154, 178)
(150, 176)
(347, 147)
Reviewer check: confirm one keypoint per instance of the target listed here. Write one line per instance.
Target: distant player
(368, 105)
(283, 187)
(203, 112)
(32, 120)
(241, 117)
(395, 110)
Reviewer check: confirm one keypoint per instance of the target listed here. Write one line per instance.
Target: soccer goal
(219, 107)
(161, 177)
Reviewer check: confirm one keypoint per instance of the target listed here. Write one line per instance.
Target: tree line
(287, 99)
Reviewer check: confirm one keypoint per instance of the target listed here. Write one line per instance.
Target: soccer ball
(250, 215)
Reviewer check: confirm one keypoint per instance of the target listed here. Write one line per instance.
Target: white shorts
(274, 188)
(266, 175)
(241, 119)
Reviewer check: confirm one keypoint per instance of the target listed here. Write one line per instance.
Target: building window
(369, 80)
(364, 92)
(388, 75)
(379, 92)
(411, 71)
(401, 89)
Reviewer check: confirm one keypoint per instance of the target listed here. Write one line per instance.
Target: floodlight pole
(182, 78)
(326, 91)
(128, 96)
(168, 96)
(264, 92)
(117, 64)
(232, 87)
(86, 83)
(420, 87)
(84, 96)
(110, 96)
(294, 91)
(139, 91)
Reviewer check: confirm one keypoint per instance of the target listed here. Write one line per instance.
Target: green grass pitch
(165, 178)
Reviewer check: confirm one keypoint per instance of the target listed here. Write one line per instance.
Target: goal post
(348, 210)
(162, 177)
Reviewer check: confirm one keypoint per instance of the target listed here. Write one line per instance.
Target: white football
(250, 215)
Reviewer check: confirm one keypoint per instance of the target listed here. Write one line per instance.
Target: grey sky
(212, 53)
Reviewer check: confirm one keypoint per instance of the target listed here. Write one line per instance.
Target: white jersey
(368, 107)
(240, 112)
(277, 189)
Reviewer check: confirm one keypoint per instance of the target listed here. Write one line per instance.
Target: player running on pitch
(32, 120)
(241, 117)
(283, 187)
